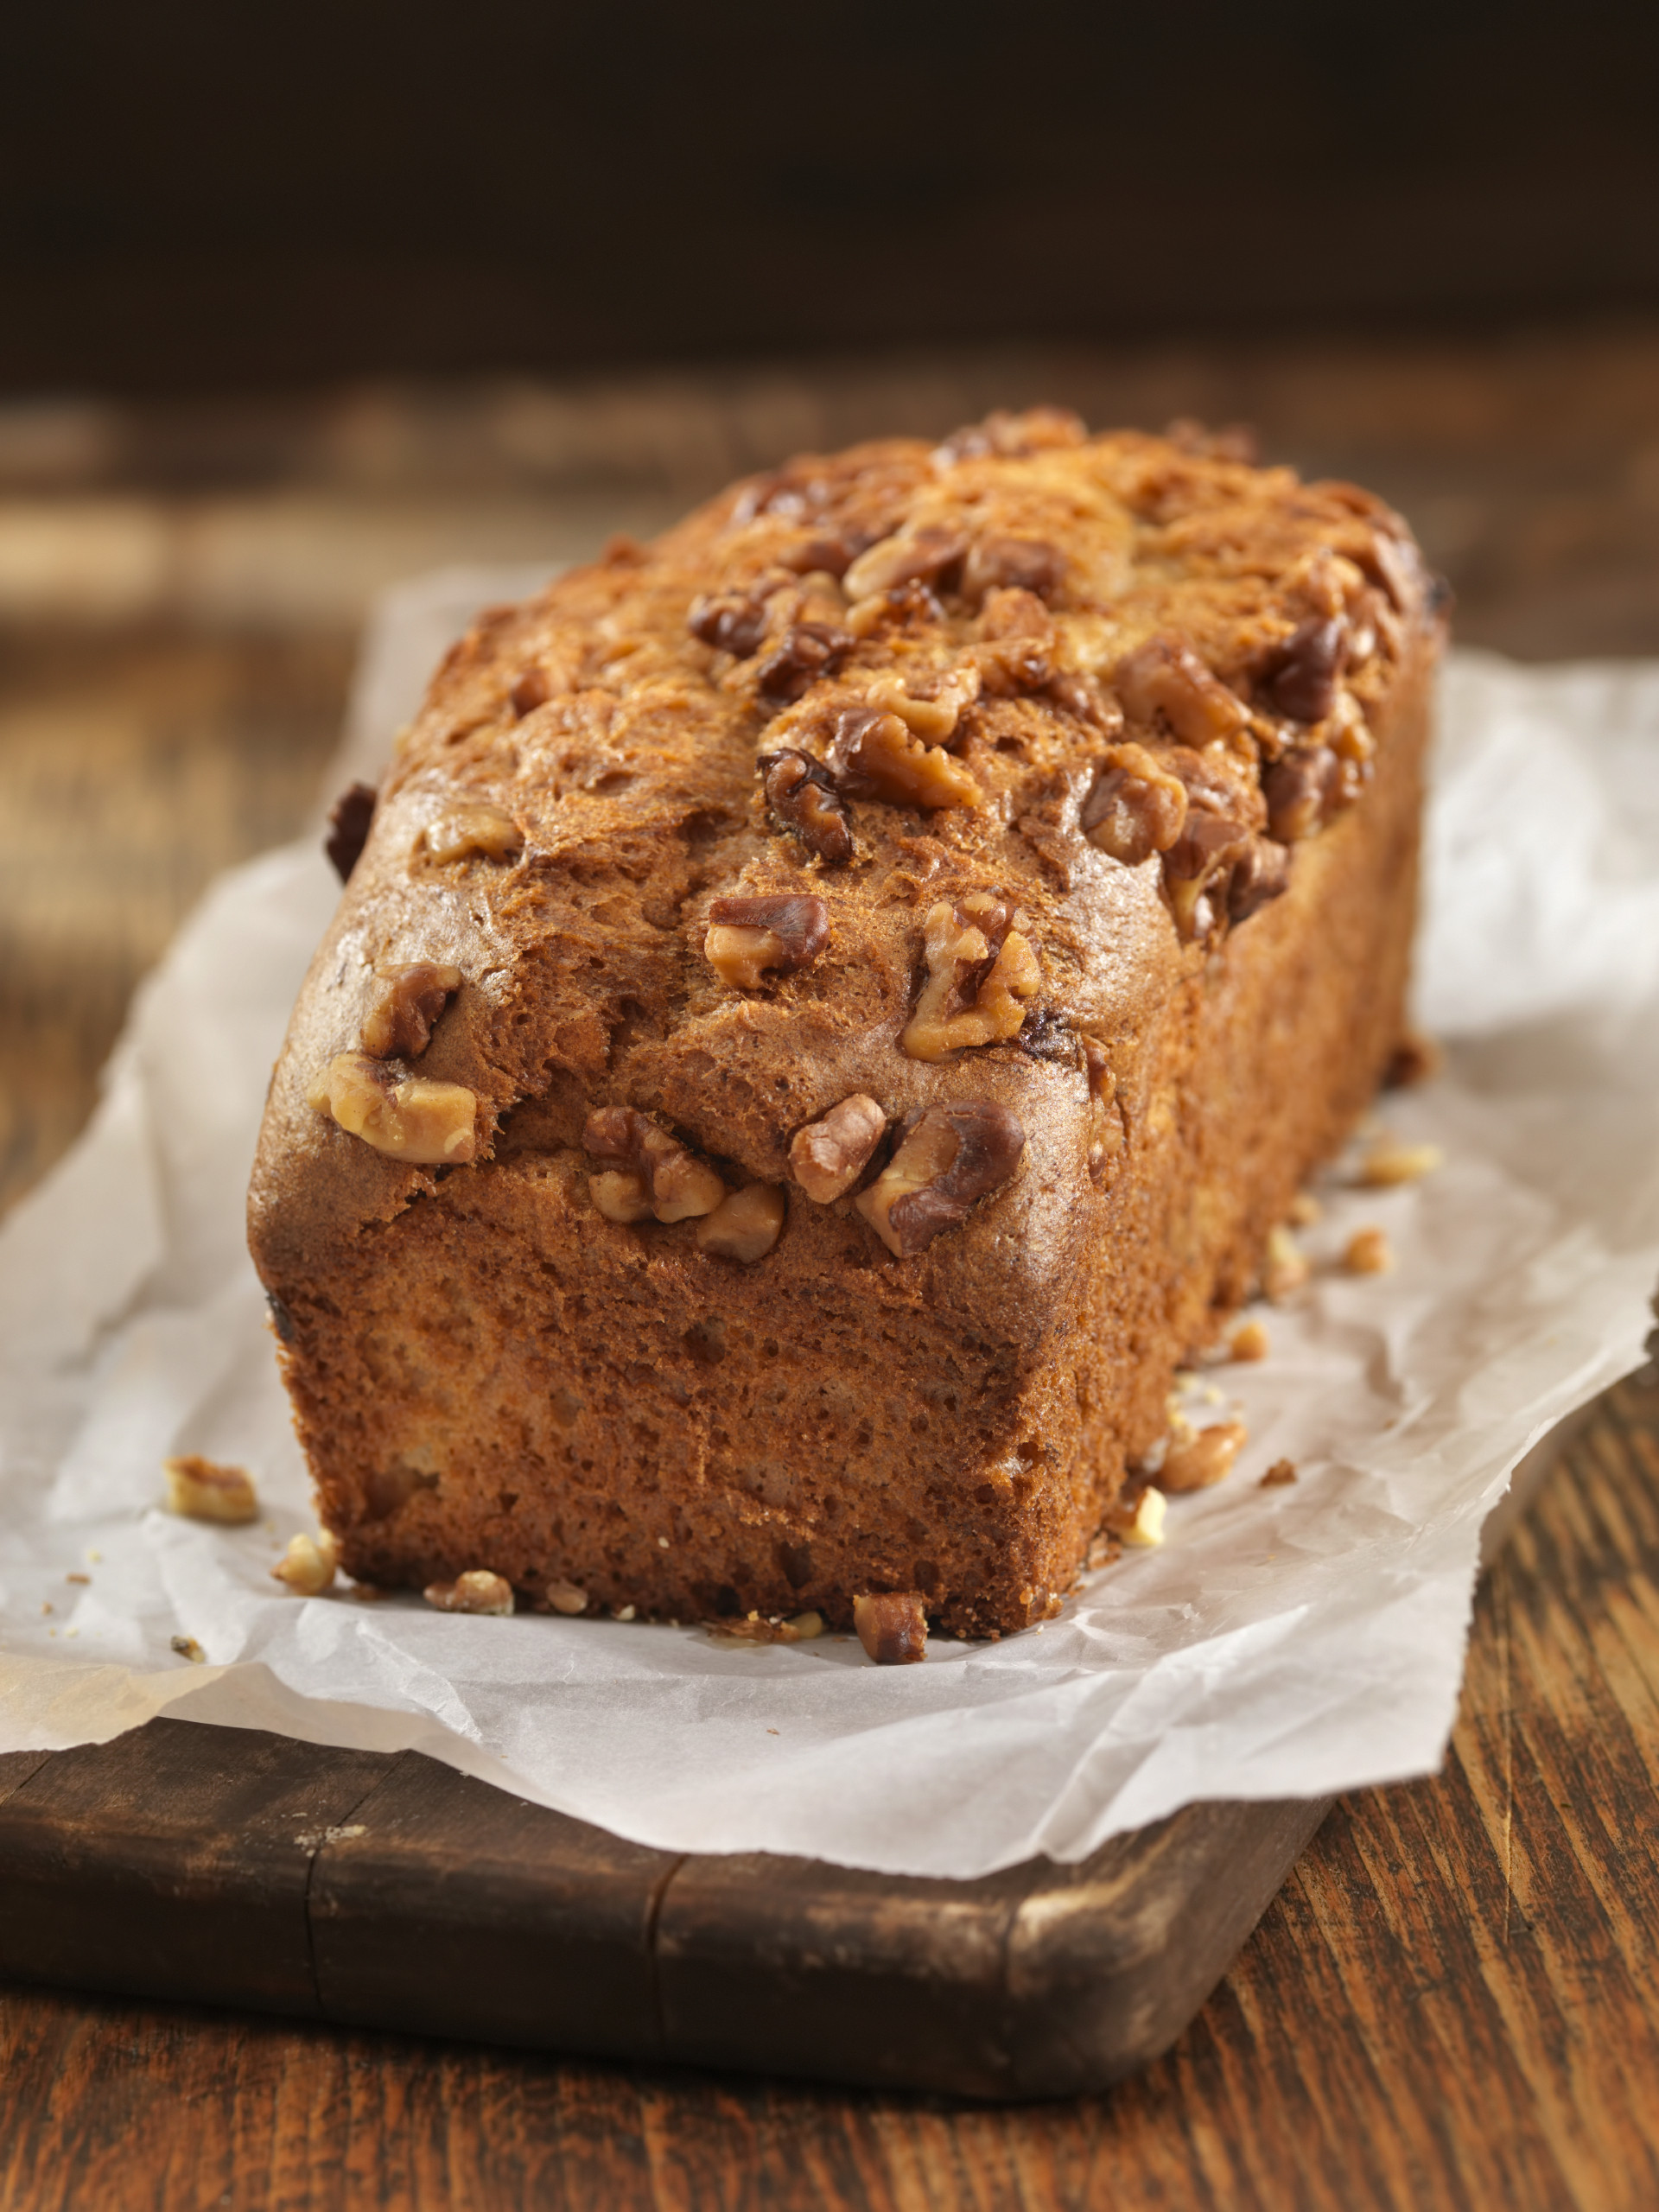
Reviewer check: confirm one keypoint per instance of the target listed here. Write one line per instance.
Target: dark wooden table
(1452, 2001)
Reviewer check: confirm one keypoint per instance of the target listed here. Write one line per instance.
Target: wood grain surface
(1453, 2002)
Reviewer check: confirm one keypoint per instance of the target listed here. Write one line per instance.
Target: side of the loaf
(828, 1010)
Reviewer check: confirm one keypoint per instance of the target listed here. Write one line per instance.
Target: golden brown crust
(986, 659)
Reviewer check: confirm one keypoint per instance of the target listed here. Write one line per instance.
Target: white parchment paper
(1284, 1642)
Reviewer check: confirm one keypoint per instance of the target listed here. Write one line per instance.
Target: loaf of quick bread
(830, 1008)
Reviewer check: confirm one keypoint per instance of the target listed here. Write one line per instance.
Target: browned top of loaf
(1021, 571)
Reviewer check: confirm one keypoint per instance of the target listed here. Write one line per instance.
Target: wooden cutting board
(227, 1866)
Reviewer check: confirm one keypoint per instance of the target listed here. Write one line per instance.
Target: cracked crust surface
(488, 1373)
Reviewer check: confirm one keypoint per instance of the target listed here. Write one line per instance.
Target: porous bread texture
(486, 1372)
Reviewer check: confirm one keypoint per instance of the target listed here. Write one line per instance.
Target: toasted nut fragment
(732, 621)
(1300, 791)
(1136, 807)
(1299, 677)
(746, 936)
(808, 651)
(1012, 564)
(873, 755)
(980, 972)
(563, 1597)
(1280, 1472)
(187, 1648)
(949, 1156)
(1165, 677)
(675, 1181)
(203, 1490)
(893, 1626)
(620, 1196)
(745, 1225)
(799, 1628)
(1416, 1059)
(473, 827)
(1201, 1457)
(426, 1123)
(307, 1567)
(1212, 855)
(1145, 1526)
(1392, 1162)
(1304, 1210)
(1249, 1342)
(935, 719)
(1286, 1266)
(913, 556)
(1368, 1252)
(828, 1156)
(400, 1022)
(802, 793)
(1014, 434)
(348, 828)
(478, 1591)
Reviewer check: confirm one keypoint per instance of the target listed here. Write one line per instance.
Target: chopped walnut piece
(1285, 1268)
(1201, 1457)
(746, 936)
(933, 719)
(1280, 1473)
(1011, 435)
(187, 1648)
(732, 621)
(809, 651)
(1198, 870)
(1165, 677)
(473, 827)
(399, 1024)
(564, 1598)
(802, 793)
(1301, 790)
(477, 1590)
(913, 556)
(1416, 1059)
(980, 972)
(948, 1155)
(1392, 1162)
(670, 1178)
(1136, 807)
(745, 1225)
(1368, 1252)
(756, 1628)
(828, 1155)
(308, 1566)
(1298, 679)
(893, 1626)
(1304, 1210)
(1144, 1524)
(348, 828)
(874, 755)
(620, 1196)
(1248, 1343)
(202, 1490)
(425, 1123)
(1012, 564)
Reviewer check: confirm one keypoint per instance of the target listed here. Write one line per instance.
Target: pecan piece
(1011, 563)
(948, 1156)
(828, 1155)
(473, 827)
(425, 1123)
(1135, 806)
(910, 557)
(1300, 789)
(1299, 677)
(874, 755)
(802, 793)
(202, 1490)
(399, 1024)
(746, 936)
(670, 1183)
(892, 1626)
(980, 971)
(808, 651)
(1165, 677)
(348, 828)
(733, 622)
(745, 1225)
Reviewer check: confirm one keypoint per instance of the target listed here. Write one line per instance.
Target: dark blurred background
(296, 301)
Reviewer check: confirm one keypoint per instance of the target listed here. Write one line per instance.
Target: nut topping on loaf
(1038, 806)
